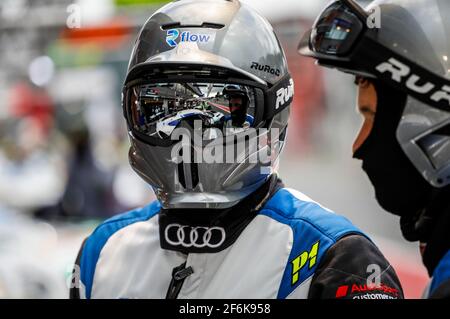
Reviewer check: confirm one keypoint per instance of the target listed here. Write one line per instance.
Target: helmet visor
(417, 30)
(156, 110)
(336, 30)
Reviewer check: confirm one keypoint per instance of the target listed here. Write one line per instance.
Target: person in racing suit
(220, 229)
(402, 69)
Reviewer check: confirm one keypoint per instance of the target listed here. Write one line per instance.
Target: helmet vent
(209, 25)
(188, 172)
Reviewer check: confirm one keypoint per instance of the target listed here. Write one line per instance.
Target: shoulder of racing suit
(440, 284)
(93, 245)
(327, 251)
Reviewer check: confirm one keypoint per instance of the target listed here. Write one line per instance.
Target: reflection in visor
(157, 109)
(339, 30)
(336, 30)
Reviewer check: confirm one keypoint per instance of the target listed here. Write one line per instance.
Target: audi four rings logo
(198, 236)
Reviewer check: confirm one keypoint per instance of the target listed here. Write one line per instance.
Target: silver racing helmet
(207, 99)
(405, 44)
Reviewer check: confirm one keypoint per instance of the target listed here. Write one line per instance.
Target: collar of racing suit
(212, 230)
(437, 237)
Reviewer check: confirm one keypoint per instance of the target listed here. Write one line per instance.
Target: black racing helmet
(406, 45)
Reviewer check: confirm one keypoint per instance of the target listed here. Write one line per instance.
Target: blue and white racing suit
(291, 247)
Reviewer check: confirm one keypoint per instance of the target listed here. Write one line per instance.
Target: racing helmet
(406, 45)
(206, 79)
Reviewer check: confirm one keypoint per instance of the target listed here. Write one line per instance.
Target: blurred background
(63, 141)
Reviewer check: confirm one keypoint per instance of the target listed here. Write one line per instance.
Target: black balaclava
(399, 187)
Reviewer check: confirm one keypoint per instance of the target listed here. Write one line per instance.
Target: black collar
(212, 230)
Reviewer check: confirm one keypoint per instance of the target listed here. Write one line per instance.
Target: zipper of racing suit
(179, 274)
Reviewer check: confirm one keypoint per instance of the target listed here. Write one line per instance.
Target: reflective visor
(157, 109)
(336, 30)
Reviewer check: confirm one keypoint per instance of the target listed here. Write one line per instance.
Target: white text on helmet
(401, 73)
(284, 95)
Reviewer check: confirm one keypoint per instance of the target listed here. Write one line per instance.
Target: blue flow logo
(185, 36)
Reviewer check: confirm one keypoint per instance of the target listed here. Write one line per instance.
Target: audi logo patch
(198, 236)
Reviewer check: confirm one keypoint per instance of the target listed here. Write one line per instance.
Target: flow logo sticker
(185, 36)
(172, 35)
